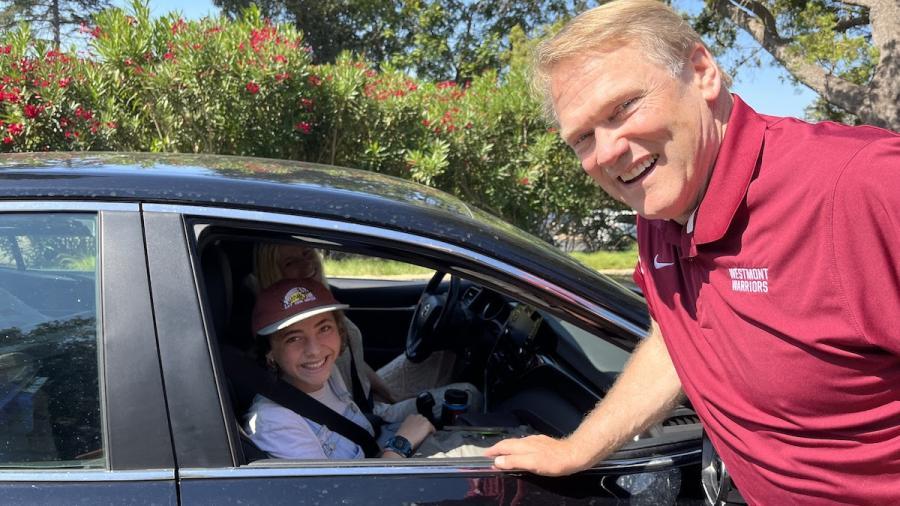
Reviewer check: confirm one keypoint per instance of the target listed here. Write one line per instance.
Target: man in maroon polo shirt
(769, 257)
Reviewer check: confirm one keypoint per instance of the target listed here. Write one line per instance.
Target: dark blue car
(125, 341)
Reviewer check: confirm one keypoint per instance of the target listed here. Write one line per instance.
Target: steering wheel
(429, 322)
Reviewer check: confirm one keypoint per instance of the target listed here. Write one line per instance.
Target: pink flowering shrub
(246, 87)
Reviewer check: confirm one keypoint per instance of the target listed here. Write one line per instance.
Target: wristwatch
(399, 445)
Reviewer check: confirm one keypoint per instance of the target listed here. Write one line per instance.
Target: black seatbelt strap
(359, 395)
(304, 405)
(365, 402)
(244, 371)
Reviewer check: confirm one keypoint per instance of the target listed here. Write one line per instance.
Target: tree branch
(861, 3)
(840, 92)
(770, 25)
(847, 23)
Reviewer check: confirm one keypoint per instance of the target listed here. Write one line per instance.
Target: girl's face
(297, 262)
(305, 352)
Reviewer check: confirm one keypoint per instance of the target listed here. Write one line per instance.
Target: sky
(767, 88)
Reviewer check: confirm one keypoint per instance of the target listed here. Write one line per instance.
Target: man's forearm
(644, 393)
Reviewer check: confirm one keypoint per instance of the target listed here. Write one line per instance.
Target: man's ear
(269, 360)
(705, 72)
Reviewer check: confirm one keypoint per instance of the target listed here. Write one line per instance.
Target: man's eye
(622, 108)
(581, 138)
(325, 328)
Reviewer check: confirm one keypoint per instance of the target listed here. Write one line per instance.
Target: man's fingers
(505, 447)
(524, 462)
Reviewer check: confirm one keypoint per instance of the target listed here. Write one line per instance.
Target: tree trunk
(56, 23)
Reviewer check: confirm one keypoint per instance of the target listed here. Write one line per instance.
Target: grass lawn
(355, 267)
(609, 260)
(373, 268)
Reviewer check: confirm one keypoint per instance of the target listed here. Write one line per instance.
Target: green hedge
(247, 87)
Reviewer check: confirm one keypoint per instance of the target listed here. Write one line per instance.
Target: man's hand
(540, 455)
(646, 390)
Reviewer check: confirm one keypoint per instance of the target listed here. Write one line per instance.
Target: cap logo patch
(296, 296)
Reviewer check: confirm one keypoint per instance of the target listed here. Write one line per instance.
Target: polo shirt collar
(735, 164)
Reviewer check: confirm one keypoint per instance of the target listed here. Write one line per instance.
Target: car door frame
(205, 434)
(140, 466)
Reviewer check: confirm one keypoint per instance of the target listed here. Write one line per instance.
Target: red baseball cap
(290, 301)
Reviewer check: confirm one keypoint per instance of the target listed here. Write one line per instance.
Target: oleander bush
(247, 87)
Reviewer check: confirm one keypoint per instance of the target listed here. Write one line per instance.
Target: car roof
(302, 188)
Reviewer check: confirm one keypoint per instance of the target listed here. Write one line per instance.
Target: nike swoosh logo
(659, 265)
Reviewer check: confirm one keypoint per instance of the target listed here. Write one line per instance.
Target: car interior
(533, 367)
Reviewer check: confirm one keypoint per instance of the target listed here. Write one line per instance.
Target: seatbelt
(254, 379)
(365, 402)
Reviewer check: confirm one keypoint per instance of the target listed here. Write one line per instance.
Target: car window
(604, 355)
(49, 379)
(350, 265)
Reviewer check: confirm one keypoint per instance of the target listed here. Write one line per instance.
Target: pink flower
(314, 80)
(32, 111)
(303, 127)
(178, 26)
(7, 140)
(252, 87)
(83, 113)
(169, 56)
(14, 128)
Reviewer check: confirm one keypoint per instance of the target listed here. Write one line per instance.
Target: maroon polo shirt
(779, 303)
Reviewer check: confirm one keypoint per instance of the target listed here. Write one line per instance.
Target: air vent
(469, 295)
(681, 420)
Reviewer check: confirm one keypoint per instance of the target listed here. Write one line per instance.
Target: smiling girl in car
(298, 331)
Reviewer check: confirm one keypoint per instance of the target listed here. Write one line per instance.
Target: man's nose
(609, 146)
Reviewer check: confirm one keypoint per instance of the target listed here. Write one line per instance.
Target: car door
(213, 463)
(82, 407)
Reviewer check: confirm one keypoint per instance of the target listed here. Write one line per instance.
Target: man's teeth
(314, 365)
(634, 173)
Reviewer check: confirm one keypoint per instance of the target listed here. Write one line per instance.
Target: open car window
(534, 370)
(356, 266)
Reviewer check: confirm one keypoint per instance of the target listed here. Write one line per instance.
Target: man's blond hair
(662, 34)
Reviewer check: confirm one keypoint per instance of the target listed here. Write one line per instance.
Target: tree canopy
(435, 39)
(846, 51)
(55, 17)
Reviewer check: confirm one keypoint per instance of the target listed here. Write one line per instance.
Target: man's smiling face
(647, 138)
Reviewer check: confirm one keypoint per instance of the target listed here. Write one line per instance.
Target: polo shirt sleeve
(638, 277)
(866, 238)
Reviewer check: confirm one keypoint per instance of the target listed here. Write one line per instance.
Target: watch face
(400, 445)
